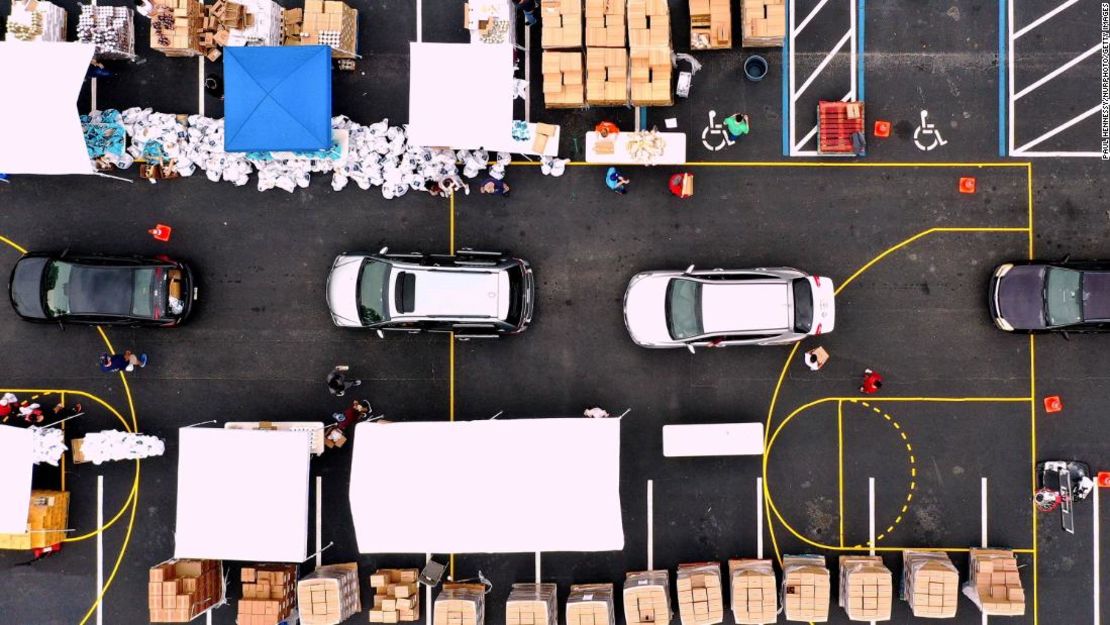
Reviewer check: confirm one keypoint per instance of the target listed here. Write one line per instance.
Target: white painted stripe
(1059, 70)
(1044, 18)
(793, 80)
(208, 616)
(527, 76)
(1097, 587)
(1059, 154)
(1010, 82)
(806, 139)
(319, 521)
(855, 40)
(99, 548)
(650, 525)
(983, 513)
(538, 577)
(805, 153)
(428, 595)
(824, 63)
(871, 513)
(420, 25)
(200, 85)
(1061, 128)
(92, 94)
(759, 518)
(805, 22)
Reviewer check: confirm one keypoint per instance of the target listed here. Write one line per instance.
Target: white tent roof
(40, 129)
(517, 486)
(242, 495)
(16, 463)
(460, 95)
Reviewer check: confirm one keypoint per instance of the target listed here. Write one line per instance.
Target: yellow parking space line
(17, 247)
(452, 222)
(1029, 191)
(840, 464)
(1033, 457)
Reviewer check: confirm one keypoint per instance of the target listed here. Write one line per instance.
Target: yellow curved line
(17, 247)
(122, 551)
(766, 434)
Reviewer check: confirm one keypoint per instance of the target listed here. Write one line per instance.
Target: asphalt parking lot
(911, 255)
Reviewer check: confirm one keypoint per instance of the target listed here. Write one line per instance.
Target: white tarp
(513, 486)
(40, 128)
(16, 464)
(460, 95)
(242, 495)
(712, 439)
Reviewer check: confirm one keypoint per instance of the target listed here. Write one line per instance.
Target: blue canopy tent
(277, 98)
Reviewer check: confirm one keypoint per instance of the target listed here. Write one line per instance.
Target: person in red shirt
(677, 184)
(607, 128)
(872, 382)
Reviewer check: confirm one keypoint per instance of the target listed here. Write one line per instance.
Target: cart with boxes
(754, 596)
(110, 28)
(47, 520)
(994, 583)
(269, 593)
(866, 588)
(710, 25)
(181, 590)
(805, 588)
(699, 593)
(647, 599)
(461, 604)
(591, 604)
(396, 596)
(763, 23)
(930, 584)
(532, 604)
(329, 595)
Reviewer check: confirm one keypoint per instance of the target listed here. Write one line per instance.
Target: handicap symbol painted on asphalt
(717, 131)
(927, 129)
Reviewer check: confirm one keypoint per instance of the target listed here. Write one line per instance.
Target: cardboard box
(605, 24)
(649, 23)
(49, 511)
(866, 588)
(532, 604)
(710, 25)
(179, 590)
(994, 583)
(460, 604)
(560, 24)
(563, 85)
(752, 587)
(607, 76)
(930, 584)
(590, 604)
(699, 593)
(650, 76)
(396, 596)
(332, 23)
(647, 598)
(270, 595)
(762, 23)
(329, 595)
(805, 588)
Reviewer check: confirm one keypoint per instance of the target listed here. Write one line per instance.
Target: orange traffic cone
(967, 185)
(1104, 479)
(882, 129)
(161, 232)
(1052, 403)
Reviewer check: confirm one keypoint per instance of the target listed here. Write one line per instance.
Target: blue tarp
(277, 98)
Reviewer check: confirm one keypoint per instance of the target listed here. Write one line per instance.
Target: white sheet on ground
(16, 464)
(242, 495)
(40, 128)
(492, 486)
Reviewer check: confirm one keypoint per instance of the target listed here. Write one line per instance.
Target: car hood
(1020, 297)
(26, 287)
(343, 291)
(645, 310)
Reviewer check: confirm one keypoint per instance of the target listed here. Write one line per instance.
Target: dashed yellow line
(913, 468)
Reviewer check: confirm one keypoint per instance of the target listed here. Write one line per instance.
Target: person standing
(528, 7)
(872, 382)
(494, 186)
(615, 181)
(7, 403)
(338, 382)
(737, 125)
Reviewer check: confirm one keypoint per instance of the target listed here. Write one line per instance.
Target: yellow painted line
(1029, 188)
(840, 464)
(766, 434)
(1033, 458)
(810, 164)
(17, 247)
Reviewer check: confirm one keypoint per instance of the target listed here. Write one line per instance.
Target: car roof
(745, 306)
(455, 292)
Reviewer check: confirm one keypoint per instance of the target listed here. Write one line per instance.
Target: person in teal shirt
(737, 126)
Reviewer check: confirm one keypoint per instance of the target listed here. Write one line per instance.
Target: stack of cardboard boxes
(994, 584)
(866, 588)
(607, 76)
(182, 589)
(605, 23)
(930, 584)
(330, 23)
(763, 23)
(561, 24)
(175, 27)
(110, 28)
(754, 598)
(396, 596)
(532, 604)
(591, 604)
(649, 23)
(37, 20)
(699, 593)
(647, 598)
(461, 604)
(650, 72)
(269, 593)
(47, 521)
(264, 24)
(562, 80)
(805, 588)
(292, 23)
(329, 595)
(710, 25)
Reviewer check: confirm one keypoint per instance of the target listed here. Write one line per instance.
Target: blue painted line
(786, 69)
(1003, 62)
(860, 24)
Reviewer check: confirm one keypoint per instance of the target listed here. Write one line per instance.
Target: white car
(723, 307)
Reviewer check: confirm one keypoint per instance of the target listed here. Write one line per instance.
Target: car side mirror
(381, 335)
(690, 348)
(689, 270)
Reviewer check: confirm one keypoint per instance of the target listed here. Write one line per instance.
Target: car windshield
(803, 305)
(145, 295)
(55, 287)
(683, 309)
(373, 281)
(1063, 296)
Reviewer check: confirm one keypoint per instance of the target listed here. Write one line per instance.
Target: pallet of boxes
(269, 593)
(754, 597)
(396, 596)
(930, 584)
(762, 23)
(36, 20)
(561, 24)
(591, 604)
(181, 590)
(710, 25)
(805, 588)
(47, 520)
(532, 604)
(330, 23)
(649, 57)
(110, 28)
(176, 27)
(562, 80)
(461, 604)
(329, 595)
(607, 76)
(866, 588)
(647, 598)
(699, 593)
(605, 23)
(994, 583)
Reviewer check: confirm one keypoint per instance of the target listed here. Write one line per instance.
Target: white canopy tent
(16, 464)
(515, 486)
(40, 129)
(460, 95)
(242, 495)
